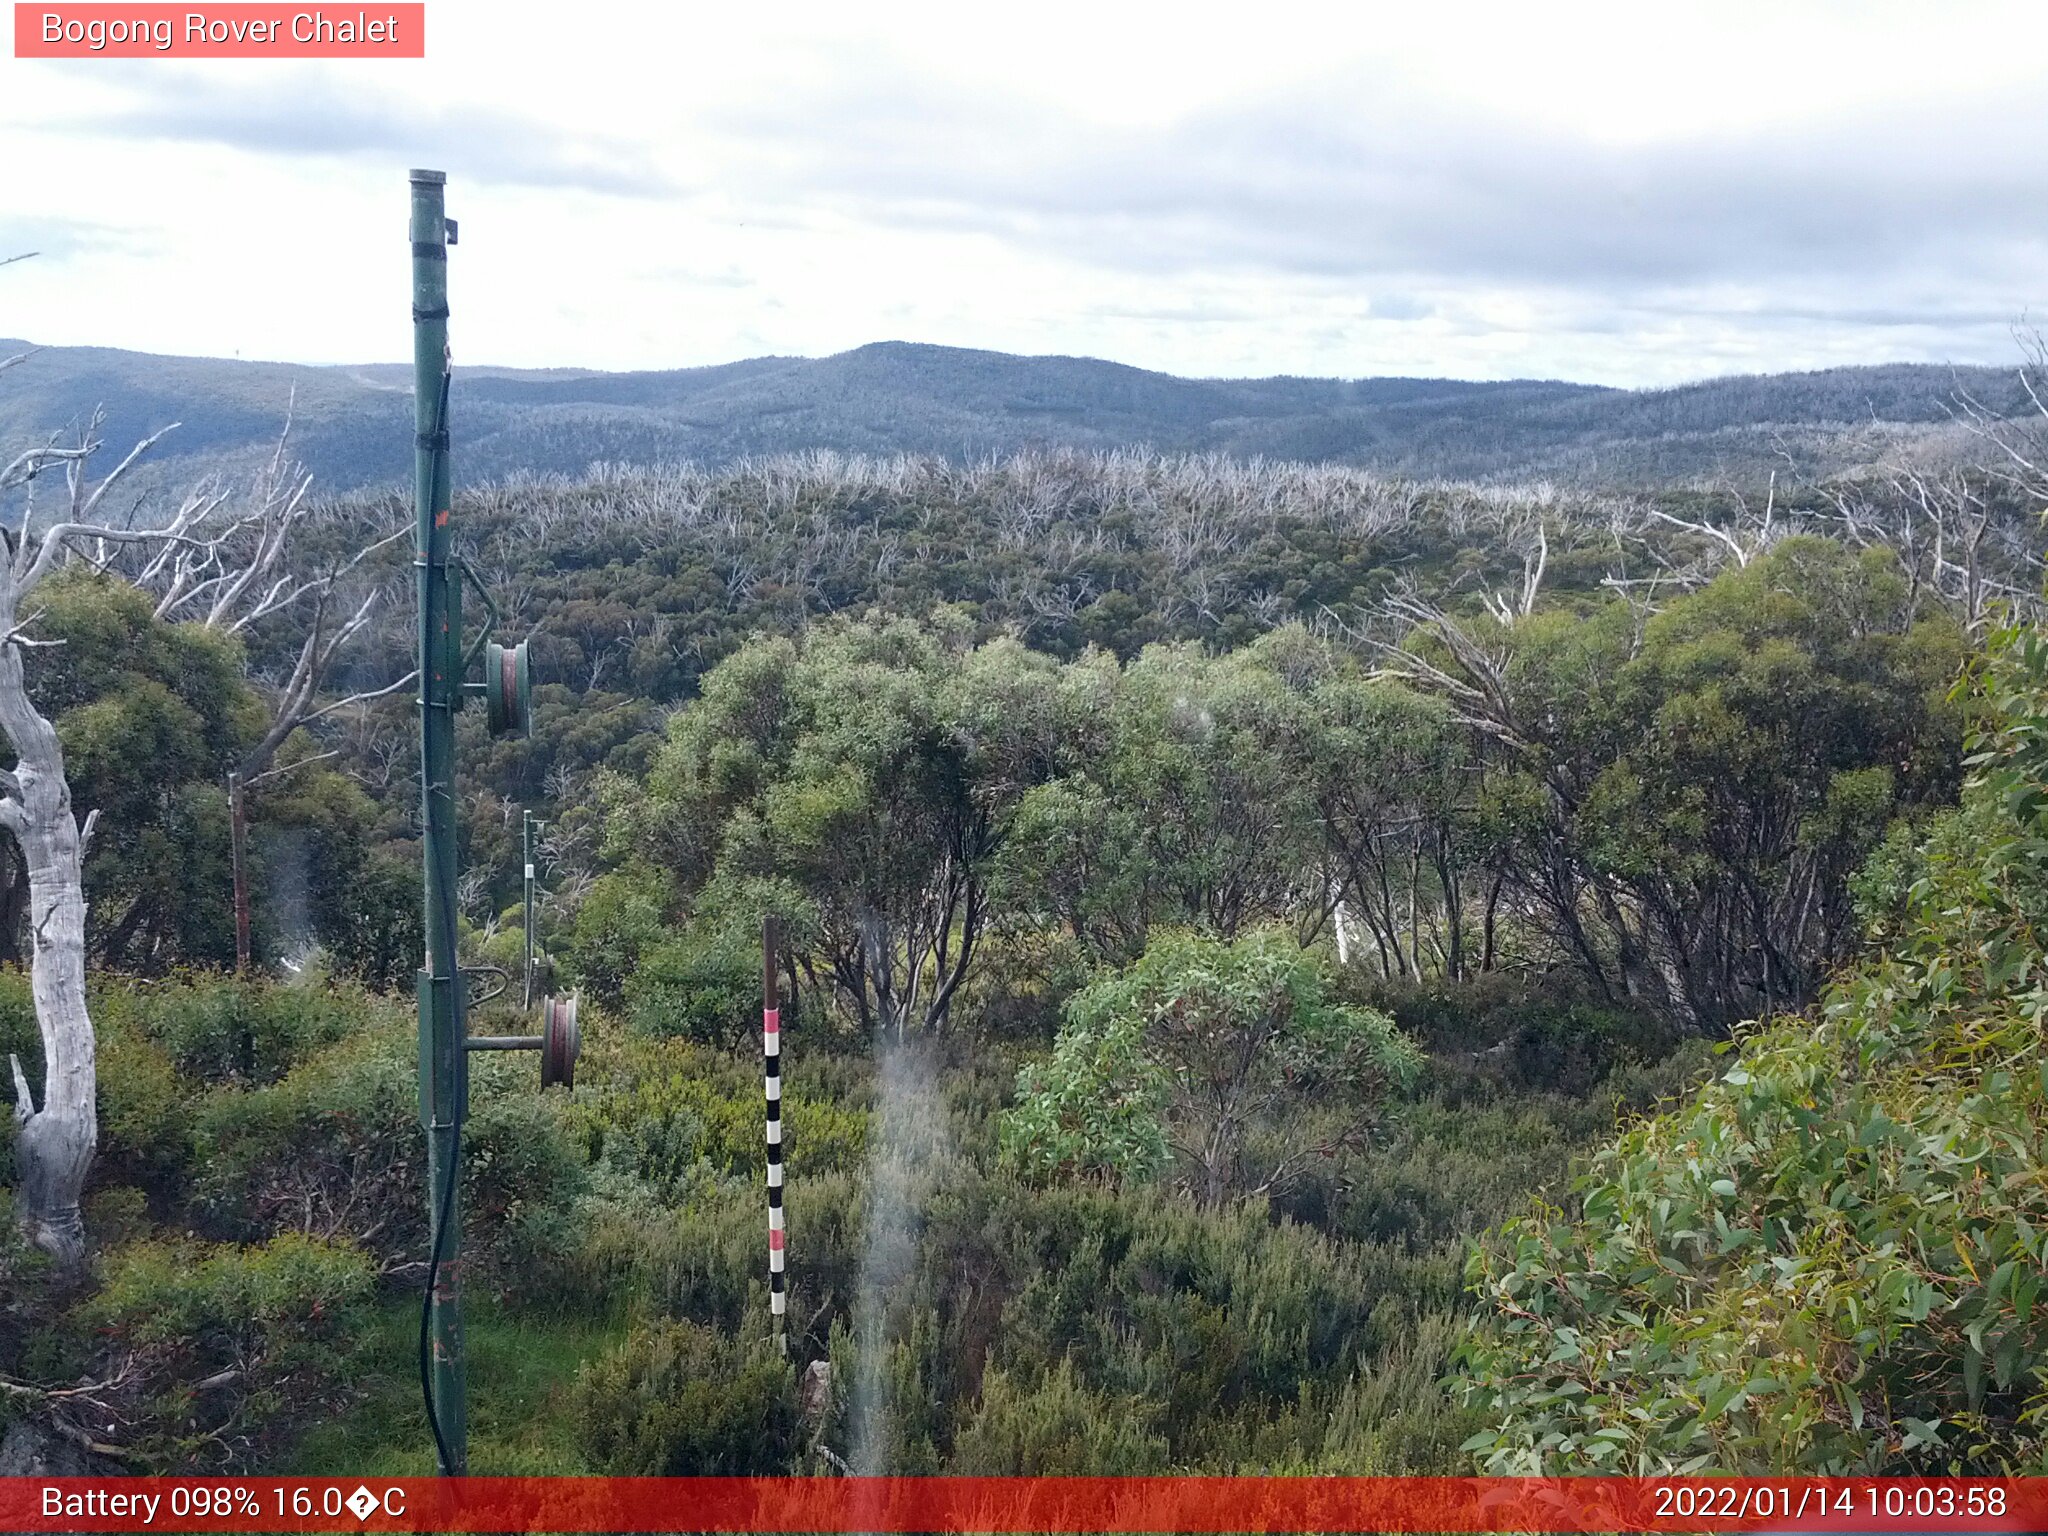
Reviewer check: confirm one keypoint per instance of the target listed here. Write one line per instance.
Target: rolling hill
(352, 424)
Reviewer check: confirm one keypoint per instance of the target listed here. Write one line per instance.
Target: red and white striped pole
(771, 1056)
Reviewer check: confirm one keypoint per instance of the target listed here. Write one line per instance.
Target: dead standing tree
(1509, 606)
(1590, 917)
(2016, 441)
(56, 1139)
(232, 570)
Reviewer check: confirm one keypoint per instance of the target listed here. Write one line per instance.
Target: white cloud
(1627, 194)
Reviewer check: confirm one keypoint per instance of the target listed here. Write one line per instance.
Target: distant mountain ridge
(352, 424)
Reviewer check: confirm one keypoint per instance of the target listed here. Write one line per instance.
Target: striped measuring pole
(771, 1058)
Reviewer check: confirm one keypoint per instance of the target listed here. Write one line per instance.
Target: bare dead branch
(284, 768)
(54, 542)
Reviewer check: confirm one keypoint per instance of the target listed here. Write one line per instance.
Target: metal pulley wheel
(508, 689)
(561, 1041)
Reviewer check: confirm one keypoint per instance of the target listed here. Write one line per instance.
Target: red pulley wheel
(508, 689)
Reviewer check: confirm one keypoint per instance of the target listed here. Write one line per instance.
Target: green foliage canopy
(1829, 1259)
(861, 778)
(1230, 1054)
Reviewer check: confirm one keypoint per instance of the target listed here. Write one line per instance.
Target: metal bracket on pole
(560, 1042)
(490, 606)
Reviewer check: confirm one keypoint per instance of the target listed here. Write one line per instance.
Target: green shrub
(677, 1399)
(19, 1038)
(697, 986)
(677, 1114)
(117, 1214)
(238, 1029)
(707, 1259)
(1213, 1049)
(1221, 1318)
(229, 1349)
(620, 917)
(374, 934)
(1394, 1418)
(827, 1222)
(522, 1176)
(1445, 1170)
(1497, 1032)
(1058, 1428)
(30, 1292)
(18, 1034)
(1022, 977)
(145, 1109)
(169, 1293)
(505, 949)
(894, 1415)
(162, 1045)
(712, 1264)
(1093, 1110)
(334, 1149)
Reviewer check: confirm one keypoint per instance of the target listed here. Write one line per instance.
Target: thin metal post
(771, 1056)
(444, 1069)
(238, 853)
(526, 843)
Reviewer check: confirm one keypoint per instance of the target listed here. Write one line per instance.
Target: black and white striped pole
(771, 1059)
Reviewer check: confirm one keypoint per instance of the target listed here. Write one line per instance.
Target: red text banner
(1024, 1504)
(226, 31)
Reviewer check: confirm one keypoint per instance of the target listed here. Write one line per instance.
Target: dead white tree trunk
(1535, 557)
(55, 1137)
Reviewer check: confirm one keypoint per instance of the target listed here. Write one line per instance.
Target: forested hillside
(1218, 895)
(896, 398)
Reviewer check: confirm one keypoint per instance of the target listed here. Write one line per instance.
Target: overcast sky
(1636, 194)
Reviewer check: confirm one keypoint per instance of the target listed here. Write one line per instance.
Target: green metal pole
(443, 1062)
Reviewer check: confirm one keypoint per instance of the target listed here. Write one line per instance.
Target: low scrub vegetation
(1217, 899)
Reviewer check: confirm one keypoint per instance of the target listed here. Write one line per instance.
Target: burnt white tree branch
(55, 1140)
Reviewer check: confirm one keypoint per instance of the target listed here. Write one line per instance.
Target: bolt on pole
(444, 1067)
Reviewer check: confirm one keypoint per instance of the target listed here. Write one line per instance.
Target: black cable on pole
(427, 1316)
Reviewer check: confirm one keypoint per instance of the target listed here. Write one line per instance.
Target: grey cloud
(1880, 316)
(313, 117)
(1364, 183)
